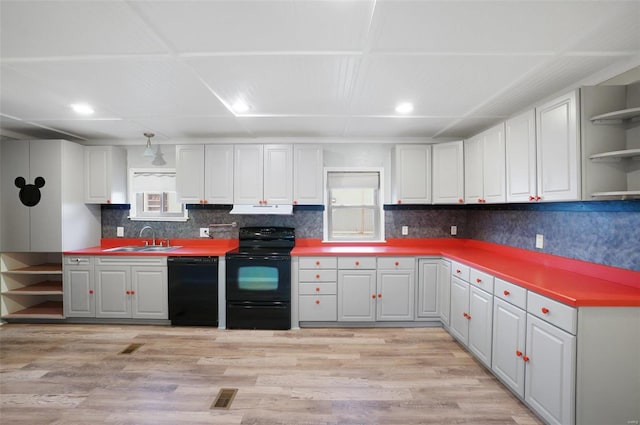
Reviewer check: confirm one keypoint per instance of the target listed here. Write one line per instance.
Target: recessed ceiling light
(240, 106)
(82, 108)
(404, 108)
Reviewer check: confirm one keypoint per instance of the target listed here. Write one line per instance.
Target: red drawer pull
(357, 263)
(458, 271)
(478, 280)
(317, 301)
(397, 263)
(506, 293)
(317, 263)
(317, 276)
(544, 310)
(317, 289)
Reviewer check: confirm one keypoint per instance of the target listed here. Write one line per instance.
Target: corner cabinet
(204, 174)
(434, 290)
(448, 173)
(105, 170)
(558, 149)
(263, 174)
(411, 176)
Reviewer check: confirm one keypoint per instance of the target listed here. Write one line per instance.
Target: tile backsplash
(611, 238)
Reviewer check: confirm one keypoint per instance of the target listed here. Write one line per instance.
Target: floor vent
(224, 398)
(131, 348)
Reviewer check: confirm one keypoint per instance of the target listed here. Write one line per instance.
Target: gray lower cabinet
(132, 287)
(434, 290)
(317, 280)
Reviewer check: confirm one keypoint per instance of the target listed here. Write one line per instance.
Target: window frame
(134, 210)
(327, 205)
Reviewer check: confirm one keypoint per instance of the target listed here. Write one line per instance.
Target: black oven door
(258, 277)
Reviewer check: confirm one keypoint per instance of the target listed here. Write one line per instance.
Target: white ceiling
(333, 69)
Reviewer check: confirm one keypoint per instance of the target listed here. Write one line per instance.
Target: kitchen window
(153, 195)
(353, 208)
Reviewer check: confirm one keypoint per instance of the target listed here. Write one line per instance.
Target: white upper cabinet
(43, 206)
(105, 170)
(204, 174)
(263, 174)
(411, 182)
(308, 186)
(558, 149)
(520, 143)
(448, 173)
(484, 167)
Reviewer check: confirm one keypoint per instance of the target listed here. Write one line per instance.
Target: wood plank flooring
(76, 374)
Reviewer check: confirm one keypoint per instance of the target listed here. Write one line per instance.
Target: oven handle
(261, 258)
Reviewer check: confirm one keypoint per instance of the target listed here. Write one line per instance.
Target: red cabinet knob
(468, 317)
(525, 358)
(458, 271)
(518, 353)
(317, 301)
(538, 198)
(317, 276)
(357, 263)
(460, 200)
(506, 292)
(379, 295)
(295, 202)
(399, 201)
(373, 296)
(317, 289)
(544, 310)
(91, 291)
(397, 263)
(478, 280)
(531, 198)
(128, 292)
(317, 263)
(480, 200)
(133, 292)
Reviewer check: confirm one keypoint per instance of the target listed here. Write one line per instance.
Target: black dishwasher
(193, 291)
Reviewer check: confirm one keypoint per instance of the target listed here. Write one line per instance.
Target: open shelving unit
(611, 142)
(31, 285)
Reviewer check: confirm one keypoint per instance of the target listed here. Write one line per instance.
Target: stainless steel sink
(141, 249)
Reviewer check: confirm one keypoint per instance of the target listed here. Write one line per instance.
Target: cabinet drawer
(482, 280)
(554, 312)
(317, 275)
(319, 308)
(73, 260)
(511, 293)
(460, 270)
(347, 263)
(396, 263)
(133, 260)
(317, 262)
(318, 288)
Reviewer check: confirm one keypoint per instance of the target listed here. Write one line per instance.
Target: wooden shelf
(47, 287)
(621, 194)
(50, 268)
(617, 117)
(46, 310)
(616, 155)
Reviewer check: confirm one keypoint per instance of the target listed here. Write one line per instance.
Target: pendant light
(148, 151)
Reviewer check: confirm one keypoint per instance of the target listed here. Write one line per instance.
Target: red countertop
(572, 282)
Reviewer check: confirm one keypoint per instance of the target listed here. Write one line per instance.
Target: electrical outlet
(120, 232)
(454, 230)
(204, 232)
(405, 230)
(539, 241)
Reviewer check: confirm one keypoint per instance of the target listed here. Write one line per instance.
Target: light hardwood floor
(75, 374)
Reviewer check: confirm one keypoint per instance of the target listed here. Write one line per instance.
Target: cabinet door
(520, 148)
(278, 174)
(357, 295)
(448, 173)
(16, 226)
(248, 174)
(105, 171)
(493, 164)
(509, 327)
(473, 170)
(113, 291)
(395, 296)
(218, 175)
(308, 186)
(46, 216)
(550, 371)
(558, 149)
(79, 297)
(412, 174)
(323, 308)
(428, 289)
(149, 293)
(444, 289)
(459, 326)
(480, 324)
(190, 173)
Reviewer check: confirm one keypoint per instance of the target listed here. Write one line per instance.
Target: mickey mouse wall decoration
(29, 193)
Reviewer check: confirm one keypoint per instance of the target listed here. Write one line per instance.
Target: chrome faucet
(153, 234)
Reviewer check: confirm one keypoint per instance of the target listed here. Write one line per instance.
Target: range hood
(262, 209)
